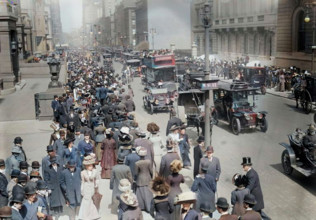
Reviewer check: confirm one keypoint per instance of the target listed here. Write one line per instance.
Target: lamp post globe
(54, 69)
(307, 19)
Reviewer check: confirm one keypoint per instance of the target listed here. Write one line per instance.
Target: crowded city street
(157, 109)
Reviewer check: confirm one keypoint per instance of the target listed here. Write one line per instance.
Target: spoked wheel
(264, 125)
(286, 163)
(236, 125)
(308, 105)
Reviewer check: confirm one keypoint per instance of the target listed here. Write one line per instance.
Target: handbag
(96, 198)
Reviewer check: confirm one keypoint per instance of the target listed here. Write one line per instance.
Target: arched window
(301, 32)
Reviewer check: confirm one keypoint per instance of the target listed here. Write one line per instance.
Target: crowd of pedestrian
(96, 136)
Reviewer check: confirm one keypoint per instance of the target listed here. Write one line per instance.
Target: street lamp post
(54, 69)
(312, 6)
(210, 82)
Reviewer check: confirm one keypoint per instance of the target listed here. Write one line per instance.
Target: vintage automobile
(297, 157)
(235, 103)
(158, 100)
(192, 100)
(255, 76)
(135, 65)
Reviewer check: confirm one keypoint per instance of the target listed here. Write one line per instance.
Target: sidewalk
(286, 94)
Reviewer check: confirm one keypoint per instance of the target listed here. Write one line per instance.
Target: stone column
(9, 65)
(194, 50)
(172, 47)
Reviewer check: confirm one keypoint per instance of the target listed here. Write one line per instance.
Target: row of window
(239, 20)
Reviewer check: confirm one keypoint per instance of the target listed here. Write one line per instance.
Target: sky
(71, 14)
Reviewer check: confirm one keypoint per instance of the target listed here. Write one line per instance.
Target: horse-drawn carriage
(305, 93)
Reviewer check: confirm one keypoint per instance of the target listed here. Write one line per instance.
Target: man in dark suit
(173, 121)
(214, 166)
(71, 185)
(254, 185)
(197, 155)
(166, 161)
(129, 103)
(3, 185)
(55, 106)
(222, 207)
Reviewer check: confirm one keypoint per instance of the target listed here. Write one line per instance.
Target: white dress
(90, 180)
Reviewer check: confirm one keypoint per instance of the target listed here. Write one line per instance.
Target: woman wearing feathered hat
(90, 182)
(154, 137)
(108, 154)
(132, 211)
(237, 196)
(161, 206)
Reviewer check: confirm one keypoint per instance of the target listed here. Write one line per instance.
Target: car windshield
(164, 74)
(243, 99)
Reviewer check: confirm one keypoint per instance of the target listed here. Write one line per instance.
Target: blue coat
(130, 161)
(3, 190)
(193, 215)
(67, 155)
(71, 186)
(103, 93)
(46, 163)
(205, 188)
(31, 210)
(16, 215)
(59, 147)
(42, 202)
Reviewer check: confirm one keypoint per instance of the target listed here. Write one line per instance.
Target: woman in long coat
(143, 173)
(90, 182)
(204, 186)
(154, 137)
(108, 155)
(174, 180)
(237, 196)
(161, 206)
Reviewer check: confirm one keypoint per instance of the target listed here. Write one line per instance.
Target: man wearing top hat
(250, 214)
(71, 185)
(214, 167)
(16, 205)
(3, 185)
(222, 207)
(253, 185)
(197, 155)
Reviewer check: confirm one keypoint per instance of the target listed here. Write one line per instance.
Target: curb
(279, 95)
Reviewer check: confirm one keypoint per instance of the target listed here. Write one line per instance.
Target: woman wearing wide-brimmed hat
(132, 212)
(124, 187)
(108, 154)
(237, 196)
(90, 182)
(174, 180)
(125, 143)
(186, 200)
(143, 173)
(161, 206)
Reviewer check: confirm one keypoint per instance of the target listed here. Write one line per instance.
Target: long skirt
(144, 196)
(186, 159)
(88, 211)
(98, 151)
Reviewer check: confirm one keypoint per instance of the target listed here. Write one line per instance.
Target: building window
(134, 31)
(224, 21)
(250, 19)
(240, 20)
(232, 21)
(261, 18)
(133, 22)
(217, 22)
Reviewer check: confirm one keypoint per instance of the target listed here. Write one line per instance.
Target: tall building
(56, 26)
(239, 28)
(163, 22)
(125, 24)
(294, 35)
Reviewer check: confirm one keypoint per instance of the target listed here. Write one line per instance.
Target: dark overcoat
(214, 166)
(16, 215)
(255, 188)
(165, 163)
(197, 155)
(17, 189)
(3, 190)
(59, 147)
(71, 185)
(130, 161)
(52, 179)
(46, 163)
(173, 121)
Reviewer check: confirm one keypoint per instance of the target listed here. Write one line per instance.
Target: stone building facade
(239, 28)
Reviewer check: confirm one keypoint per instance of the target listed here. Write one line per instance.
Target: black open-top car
(235, 102)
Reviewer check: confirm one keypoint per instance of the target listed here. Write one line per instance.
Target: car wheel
(286, 163)
(236, 125)
(264, 125)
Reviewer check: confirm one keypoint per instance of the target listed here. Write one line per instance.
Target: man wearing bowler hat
(12, 162)
(3, 185)
(249, 203)
(214, 166)
(16, 205)
(197, 155)
(254, 185)
(13, 182)
(222, 207)
(18, 143)
(45, 160)
(71, 185)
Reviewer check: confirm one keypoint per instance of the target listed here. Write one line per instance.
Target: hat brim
(250, 202)
(185, 201)
(246, 164)
(125, 202)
